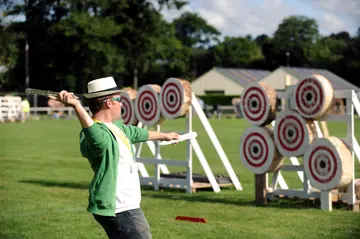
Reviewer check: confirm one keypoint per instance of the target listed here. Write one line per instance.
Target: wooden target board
(258, 152)
(328, 164)
(258, 103)
(147, 104)
(175, 98)
(128, 106)
(313, 96)
(293, 134)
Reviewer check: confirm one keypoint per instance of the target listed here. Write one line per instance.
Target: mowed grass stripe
(44, 180)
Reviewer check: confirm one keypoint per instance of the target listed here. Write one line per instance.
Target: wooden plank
(260, 189)
(205, 165)
(170, 162)
(208, 185)
(216, 143)
(195, 186)
(291, 167)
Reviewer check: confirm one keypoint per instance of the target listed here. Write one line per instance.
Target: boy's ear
(107, 103)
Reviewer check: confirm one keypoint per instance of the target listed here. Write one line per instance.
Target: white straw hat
(101, 87)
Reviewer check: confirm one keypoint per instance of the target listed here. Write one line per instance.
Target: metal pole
(27, 74)
(287, 58)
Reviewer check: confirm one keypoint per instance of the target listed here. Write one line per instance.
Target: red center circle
(306, 90)
(147, 95)
(281, 135)
(327, 160)
(127, 110)
(301, 104)
(248, 141)
(146, 100)
(251, 98)
(252, 143)
(285, 130)
(171, 104)
(246, 99)
(333, 158)
(178, 99)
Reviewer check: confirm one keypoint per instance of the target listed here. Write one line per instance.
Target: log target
(293, 133)
(147, 104)
(328, 164)
(128, 106)
(258, 152)
(313, 96)
(258, 103)
(175, 98)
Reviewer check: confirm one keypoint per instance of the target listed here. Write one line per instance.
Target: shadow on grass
(351, 233)
(207, 196)
(204, 195)
(57, 184)
(5, 236)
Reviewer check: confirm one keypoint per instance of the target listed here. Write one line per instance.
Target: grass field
(44, 180)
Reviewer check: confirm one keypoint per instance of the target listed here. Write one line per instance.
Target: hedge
(218, 99)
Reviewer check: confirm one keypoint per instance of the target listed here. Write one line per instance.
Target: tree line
(63, 44)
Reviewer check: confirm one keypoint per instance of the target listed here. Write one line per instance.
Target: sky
(256, 17)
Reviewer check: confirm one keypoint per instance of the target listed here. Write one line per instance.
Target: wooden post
(326, 201)
(260, 189)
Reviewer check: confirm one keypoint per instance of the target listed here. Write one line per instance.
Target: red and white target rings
(258, 103)
(257, 150)
(175, 98)
(313, 96)
(147, 104)
(293, 134)
(128, 109)
(328, 164)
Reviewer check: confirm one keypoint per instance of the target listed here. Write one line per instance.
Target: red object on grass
(191, 219)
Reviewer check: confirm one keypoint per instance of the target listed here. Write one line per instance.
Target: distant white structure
(283, 77)
(10, 108)
(227, 81)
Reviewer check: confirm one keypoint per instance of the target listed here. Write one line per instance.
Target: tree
(9, 55)
(327, 51)
(194, 32)
(237, 52)
(72, 42)
(351, 62)
(169, 58)
(295, 34)
(261, 39)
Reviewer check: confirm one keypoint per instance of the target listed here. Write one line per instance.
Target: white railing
(48, 110)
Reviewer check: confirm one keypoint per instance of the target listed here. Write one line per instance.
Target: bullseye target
(293, 134)
(328, 164)
(175, 98)
(258, 152)
(258, 103)
(313, 96)
(147, 103)
(128, 106)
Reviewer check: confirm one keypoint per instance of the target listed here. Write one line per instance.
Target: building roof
(242, 76)
(337, 82)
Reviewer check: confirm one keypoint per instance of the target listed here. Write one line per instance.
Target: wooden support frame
(191, 146)
(307, 192)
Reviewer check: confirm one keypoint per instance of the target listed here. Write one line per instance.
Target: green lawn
(43, 191)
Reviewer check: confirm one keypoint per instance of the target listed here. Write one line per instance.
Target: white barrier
(10, 108)
(47, 110)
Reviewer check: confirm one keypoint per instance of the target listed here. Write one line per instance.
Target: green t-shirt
(100, 147)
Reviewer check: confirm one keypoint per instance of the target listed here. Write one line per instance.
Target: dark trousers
(128, 224)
